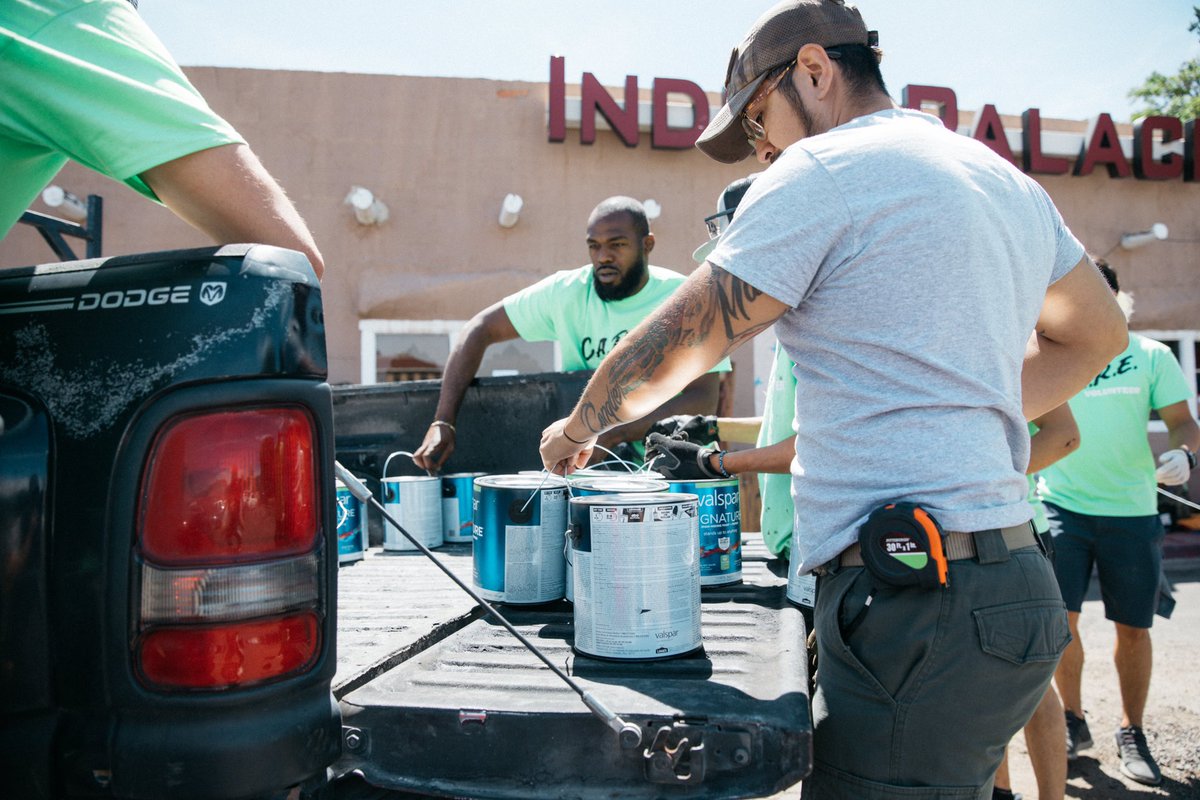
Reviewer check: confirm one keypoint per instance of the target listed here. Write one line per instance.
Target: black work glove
(679, 459)
(699, 428)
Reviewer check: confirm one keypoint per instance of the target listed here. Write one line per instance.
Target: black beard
(625, 287)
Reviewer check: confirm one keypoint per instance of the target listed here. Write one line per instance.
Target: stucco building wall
(442, 154)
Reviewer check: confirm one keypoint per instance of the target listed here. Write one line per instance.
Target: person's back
(932, 259)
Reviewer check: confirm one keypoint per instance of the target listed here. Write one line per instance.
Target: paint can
(720, 529)
(636, 574)
(593, 472)
(518, 528)
(614, 484)
(606, 483)
(458, 495)
(351, 533)
(416, 503)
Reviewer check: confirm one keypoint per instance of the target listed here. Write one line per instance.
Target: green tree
(1173, 95)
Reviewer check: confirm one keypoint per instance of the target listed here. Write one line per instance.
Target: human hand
(562, 454)
(436, 447)
(677, 458)
(700, 428)
(1176, 466)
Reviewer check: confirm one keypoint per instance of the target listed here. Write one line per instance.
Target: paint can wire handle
(388, 460)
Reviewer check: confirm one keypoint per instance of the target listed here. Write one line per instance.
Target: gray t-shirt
(916, 262)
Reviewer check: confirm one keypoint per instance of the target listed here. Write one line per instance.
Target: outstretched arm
(708, 317)
(700, 397)
(228, 194)
(483, 330)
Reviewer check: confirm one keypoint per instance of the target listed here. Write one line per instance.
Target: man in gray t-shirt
(932, 300)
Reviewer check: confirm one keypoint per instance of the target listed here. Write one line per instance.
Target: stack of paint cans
(518, 538)
(636, 575)
(458, 496)
(351, 526)
(720, 534)
(416, 503)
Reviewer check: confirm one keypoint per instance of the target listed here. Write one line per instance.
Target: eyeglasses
(755, 132)
(717, 223)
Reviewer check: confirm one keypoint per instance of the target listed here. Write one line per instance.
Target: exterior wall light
(653, 209)
(368, 209)
(1156, 233)
(66, 203)
(510, 210)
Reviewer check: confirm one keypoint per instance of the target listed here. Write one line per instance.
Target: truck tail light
(229, 533)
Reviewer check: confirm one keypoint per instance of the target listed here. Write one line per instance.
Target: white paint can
(636, 575)
(416, 503)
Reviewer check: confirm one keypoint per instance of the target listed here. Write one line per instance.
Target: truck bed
(438, 699)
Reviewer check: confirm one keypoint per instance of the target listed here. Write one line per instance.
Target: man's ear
(815, 65)
(648, 242)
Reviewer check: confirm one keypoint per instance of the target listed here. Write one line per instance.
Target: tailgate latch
(683, 753)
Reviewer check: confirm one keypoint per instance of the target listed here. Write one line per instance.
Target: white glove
(1175, 468)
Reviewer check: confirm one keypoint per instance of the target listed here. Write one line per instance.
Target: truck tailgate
(439, 699)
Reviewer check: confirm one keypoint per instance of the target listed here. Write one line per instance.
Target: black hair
(623, 205)
(1109, 274)
(860, 68)
(860, 65)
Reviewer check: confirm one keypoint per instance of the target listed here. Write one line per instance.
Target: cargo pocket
(833, 784)
(1024, 633)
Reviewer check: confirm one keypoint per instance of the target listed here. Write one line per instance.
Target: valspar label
(720, 512)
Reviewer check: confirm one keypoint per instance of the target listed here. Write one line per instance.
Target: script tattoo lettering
(686, 320)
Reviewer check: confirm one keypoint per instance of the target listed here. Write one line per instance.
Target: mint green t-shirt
(87, 80)
(565, 308)
(1112, 472)
(778, 423)
(1040, 523)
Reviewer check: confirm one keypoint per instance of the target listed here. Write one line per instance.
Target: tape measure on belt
(902, 544)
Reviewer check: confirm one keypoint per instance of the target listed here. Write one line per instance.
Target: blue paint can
(351, 541)
(636, 575)
(518, 527)
(458, 496)
(720, 539)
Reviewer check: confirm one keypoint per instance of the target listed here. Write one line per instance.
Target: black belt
(958, 545)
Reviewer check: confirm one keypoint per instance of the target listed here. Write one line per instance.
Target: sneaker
(1006, 794)
(1136, 761)
(1078, 736)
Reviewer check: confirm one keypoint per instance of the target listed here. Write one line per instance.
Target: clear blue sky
(1070, 58)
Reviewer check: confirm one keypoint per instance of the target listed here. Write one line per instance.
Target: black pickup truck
(168, 556)
(170, 593)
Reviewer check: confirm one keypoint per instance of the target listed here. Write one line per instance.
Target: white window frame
(370, 329)
(1187, 360)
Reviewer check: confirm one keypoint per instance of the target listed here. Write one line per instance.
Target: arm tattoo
(685, 321)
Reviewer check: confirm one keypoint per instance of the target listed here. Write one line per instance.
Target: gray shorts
(1127, 555)
(923, 696)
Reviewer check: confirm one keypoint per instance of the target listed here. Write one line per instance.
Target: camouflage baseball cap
(772, 42)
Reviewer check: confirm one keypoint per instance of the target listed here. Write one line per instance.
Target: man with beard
(587, 311)
(932, 299)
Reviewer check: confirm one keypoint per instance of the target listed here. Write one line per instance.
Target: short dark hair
(623, 205)
(860, 65)
(1108, 272)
